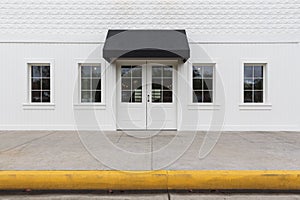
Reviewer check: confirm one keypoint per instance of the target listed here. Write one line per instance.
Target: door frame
(173, 62)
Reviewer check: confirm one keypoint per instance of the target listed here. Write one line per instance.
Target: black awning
(146, 44)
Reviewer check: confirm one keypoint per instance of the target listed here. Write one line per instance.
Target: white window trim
(28, 105)
(266, 105)
(78, 105)
(198, 105)
(255, 106)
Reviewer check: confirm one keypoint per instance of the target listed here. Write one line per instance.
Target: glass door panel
(162, 84)
(131, 84)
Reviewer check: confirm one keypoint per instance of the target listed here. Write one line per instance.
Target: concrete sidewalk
(146, 150)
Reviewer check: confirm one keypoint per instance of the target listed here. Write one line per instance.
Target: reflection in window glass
(131, 84)
(202, 84)
(36, 71)
(40, 83)
(253, 83)
(90, 83)
(162, 84)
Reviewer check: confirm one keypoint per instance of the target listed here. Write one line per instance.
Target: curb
(151, 180)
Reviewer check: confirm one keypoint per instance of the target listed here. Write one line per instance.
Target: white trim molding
(56, 127)
(77, 97)
(38, 106)
(204, 106)
(28, 105)
(242, 127)
(89, 106)
(266, 105)
(197, 105)
(256, 106)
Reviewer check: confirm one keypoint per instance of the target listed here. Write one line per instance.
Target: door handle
(148, 98)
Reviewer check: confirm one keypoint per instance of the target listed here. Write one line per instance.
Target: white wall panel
(13, 87)
(282, 62)
(283, 71)
(224, 32)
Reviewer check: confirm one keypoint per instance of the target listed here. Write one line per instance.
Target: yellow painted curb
(150, 180)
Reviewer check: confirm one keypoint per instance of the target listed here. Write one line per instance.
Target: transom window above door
(90, 83)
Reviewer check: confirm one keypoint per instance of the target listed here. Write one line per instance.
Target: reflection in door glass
(162, 81)
(126, 71)
(131, 84)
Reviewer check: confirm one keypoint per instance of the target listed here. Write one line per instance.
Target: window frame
(91, 63)
(130, 90)
(203, 64)
(30, 83)
(265, 105)
(162, 78)
(29, 64)
(264, 82)
(28, 105)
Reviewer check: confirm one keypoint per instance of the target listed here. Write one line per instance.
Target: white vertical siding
(282, 59)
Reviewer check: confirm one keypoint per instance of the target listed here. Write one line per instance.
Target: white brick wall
(205, 17)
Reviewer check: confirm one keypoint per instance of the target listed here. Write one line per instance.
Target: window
(40, 83)
(90, 88)
(131, 84)
(162, 83)
(203, 76)
(254, 83)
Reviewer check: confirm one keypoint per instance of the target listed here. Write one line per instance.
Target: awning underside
(146, 44)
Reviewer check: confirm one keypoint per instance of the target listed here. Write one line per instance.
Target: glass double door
(146, 96)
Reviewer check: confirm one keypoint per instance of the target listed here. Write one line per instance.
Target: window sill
(38, 106)
(89, 106)
(255, 106)
(205, 106)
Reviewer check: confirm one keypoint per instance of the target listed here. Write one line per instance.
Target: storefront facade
(89, 71)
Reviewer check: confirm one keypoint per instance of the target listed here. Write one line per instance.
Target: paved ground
(55, 150)
(63, 150)
(157, 197)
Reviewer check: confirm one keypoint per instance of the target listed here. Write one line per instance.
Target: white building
(233, 64)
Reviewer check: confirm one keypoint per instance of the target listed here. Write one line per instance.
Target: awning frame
(146, 44)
